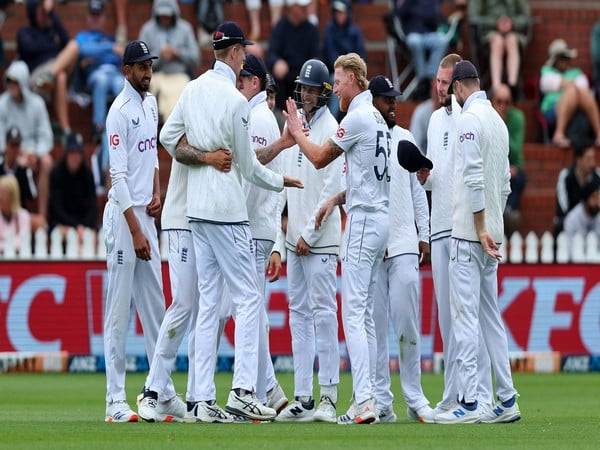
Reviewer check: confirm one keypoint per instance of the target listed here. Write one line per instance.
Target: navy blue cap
(254, 66)
(137, 51)
(228, 34)
(411, 158)
(462, 70)
(74, 143)
(380, 85)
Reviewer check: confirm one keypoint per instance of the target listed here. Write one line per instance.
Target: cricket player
(181, 315)
(214, 114)
(397, 292)
(482, 186)
(441, 142)
(364, 138)
(264, 215)
(132, 254)
(312, 256)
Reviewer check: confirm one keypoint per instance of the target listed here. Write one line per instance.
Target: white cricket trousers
(313, 319)
(397, 297)
(225, 250)
(440, 260)
(129, 278)
(363, 245)
(474, 310)
(266, 373)
(179, 319)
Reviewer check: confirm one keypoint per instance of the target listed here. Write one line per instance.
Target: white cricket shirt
(131, 127)
(214, 114)
(441, 142)
(482, 169)
(365, 139)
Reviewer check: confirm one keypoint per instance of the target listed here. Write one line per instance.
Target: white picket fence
(531, 250)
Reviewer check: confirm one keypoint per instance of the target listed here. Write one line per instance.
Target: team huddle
(222, 216)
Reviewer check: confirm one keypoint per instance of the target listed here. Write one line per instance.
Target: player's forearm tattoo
(189, 155)
(266, 154)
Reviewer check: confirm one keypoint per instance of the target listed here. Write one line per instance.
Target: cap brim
(391, 93)
(411, 158)
(245, 73)
(247, 42)
(140, 59)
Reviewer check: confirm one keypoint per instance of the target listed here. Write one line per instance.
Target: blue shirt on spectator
(96, 46)
(339, 40)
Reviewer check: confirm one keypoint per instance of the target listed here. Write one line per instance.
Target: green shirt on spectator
(515, 122)
(551, 98)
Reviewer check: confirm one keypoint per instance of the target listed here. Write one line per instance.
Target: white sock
(330, 391)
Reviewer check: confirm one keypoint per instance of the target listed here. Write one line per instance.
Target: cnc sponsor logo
(340, 132)
(466, 137)
(262, 141)
(114, 140)
(146, 144)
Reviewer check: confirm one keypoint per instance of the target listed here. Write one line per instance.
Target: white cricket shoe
(360, 413)
(502, 414)
(119, 412)
(326, 410)
(424, 414)
(173, 410)
(387, 415)
(208, 412)
(247, 405)
(276, 399)
(297, 411)
(458, 415)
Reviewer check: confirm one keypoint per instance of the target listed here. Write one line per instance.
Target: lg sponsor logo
(146, 144)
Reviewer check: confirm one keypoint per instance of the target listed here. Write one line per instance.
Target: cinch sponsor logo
(146, 144)
(466, 137)
(259, 140)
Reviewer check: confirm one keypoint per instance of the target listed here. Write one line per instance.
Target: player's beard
(447, 101)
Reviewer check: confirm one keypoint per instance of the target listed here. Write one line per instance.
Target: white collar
(478, 95)
(225, 70)
(259, 98)
(363, 97)
(131, 92)
(316, 115)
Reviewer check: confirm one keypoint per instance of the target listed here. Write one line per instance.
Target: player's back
(365, 138)
(213, 108)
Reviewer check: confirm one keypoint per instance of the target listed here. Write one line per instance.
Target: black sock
(471, 406)
(190, 406)
(240, 392)
(150, 394)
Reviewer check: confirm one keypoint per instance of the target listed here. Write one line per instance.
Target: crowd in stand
(52, 68)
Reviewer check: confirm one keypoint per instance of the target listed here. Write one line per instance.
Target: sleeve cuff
(477, 200)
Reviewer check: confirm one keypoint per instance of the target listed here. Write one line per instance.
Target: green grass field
(67, 412)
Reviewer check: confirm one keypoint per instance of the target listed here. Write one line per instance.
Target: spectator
(515, 122)
(17, 164)
(38, 45)
(569, 189)
(420, 21)
(419, 121)
(171, 37)
(293, 41)
(210, 15)
(502, 24)
(271, 88)
(253, 7)
(72, 190)
(121, 16)
(595, 54)
(565, 90)
(26, 111)
(341, 37)
(584, 217)
(15, 222)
